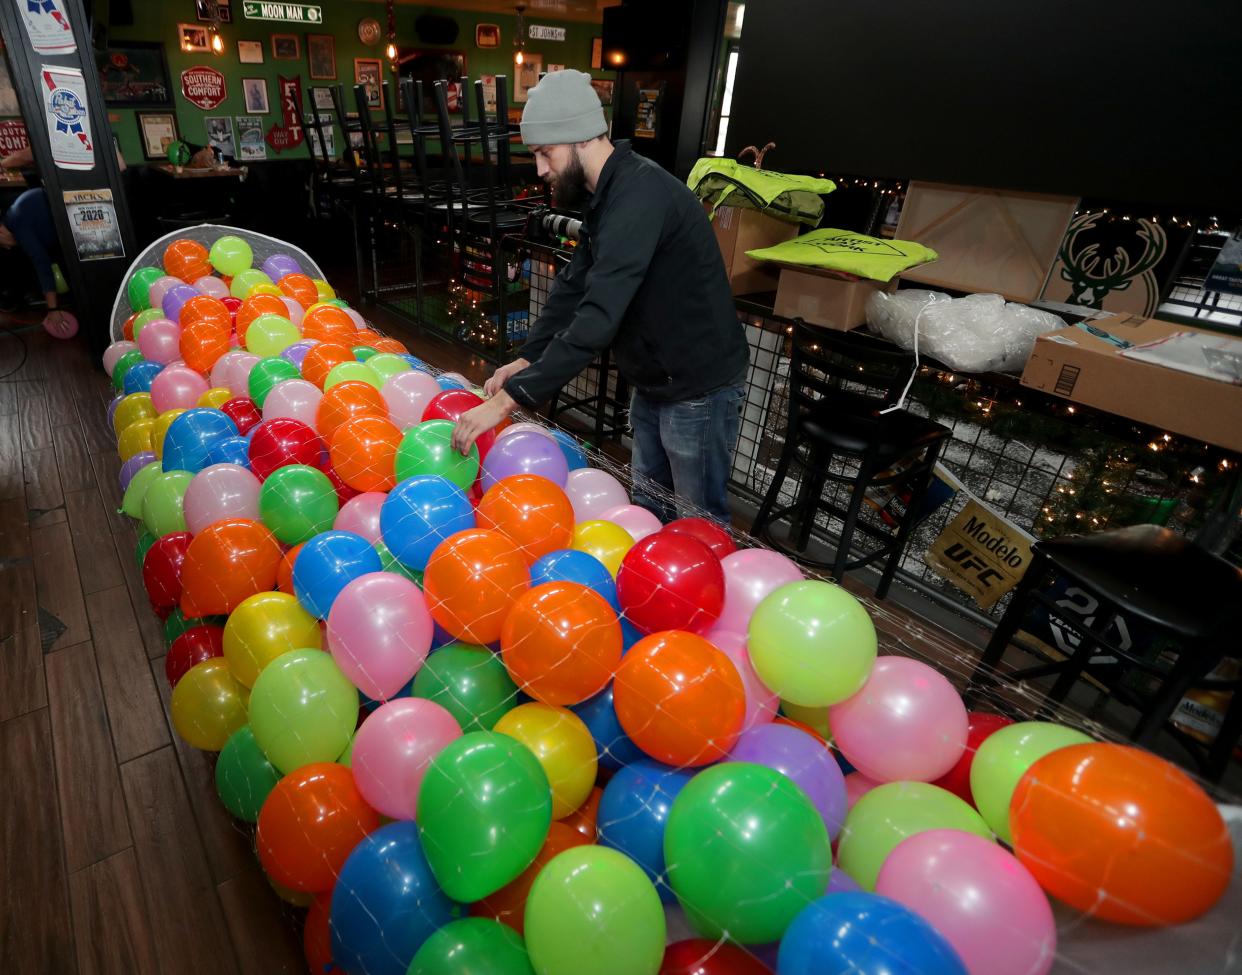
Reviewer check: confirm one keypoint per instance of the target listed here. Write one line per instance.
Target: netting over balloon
(485, 713)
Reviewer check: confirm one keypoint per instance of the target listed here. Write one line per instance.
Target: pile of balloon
(489, 716)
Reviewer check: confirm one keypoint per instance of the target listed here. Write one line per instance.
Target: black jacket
(646, 279)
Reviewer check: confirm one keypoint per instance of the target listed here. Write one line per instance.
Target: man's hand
(474, 423)
(501, 376)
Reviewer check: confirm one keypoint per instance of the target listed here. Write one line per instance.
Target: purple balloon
(278, 265)
(297, 352)
(133, 466)
(840, 882)
(116, 401)
(525, 453)
(804, 759)
(175, 298)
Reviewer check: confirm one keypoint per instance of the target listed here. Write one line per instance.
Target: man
(647, 280)
(28, 225)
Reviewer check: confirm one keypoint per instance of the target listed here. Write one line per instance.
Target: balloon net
(512, 709)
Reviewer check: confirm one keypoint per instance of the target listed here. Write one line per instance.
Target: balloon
(177, 387)
(364, 452)
(889, 813)
(229, 255)
(159, 288)
(808, 763)
(864, 934)
(140, 376)
(161, 569)
(208, 310)
(393, 748)
(469, 682)
(186, 259)
(406, 395)
(592, 492)
(612, 746)
(1004, 758)
(270, 335)
(428, 449)
(231, 450)
(192, 435)
(277, 443)
(222, 366)
(308, 825)
(750, 575)
(526, 453)
(174, 298)
(419, 514)
(196, 644)
(379, 632)
(207, 705)
(244, 776)
(263, 627)
(123, 364)
(761, 704)
(812, 643)
(295, 399)
(562, 744)
(297, 503)
(472, 581)
(135, 493)
(1121, 834)
(386, 904)
(570, 565)
(484, 812)
(177, 623)
(160, 341)
(593, 909)
(326, 564)
(361, 515)
(671, 582)
(218, 492)
(328, 324)
(296, 353)
(452, 404)
(633, 814)
(138, 288)
(162, 505)
(638, 522)
(699, 956)
(605, 541)
(226, 562)
(266, 374)
(302, 709)
(345, 401)
(247, 282)
(386, 366)
(561, 643)
(239, 373)
(211, 286)
(215, 398)
(529, 510)
(278, 266)
(508, 905)
(296, 286)
(680, 699)
(473, 944)
(137, 438)
(981, 726)
(255, 306)
(113, 354)
(132, 466)
(712, 534)
(351, 372)
(322, 359)
(572, 450)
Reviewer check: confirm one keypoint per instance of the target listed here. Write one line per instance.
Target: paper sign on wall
(68, 119)
(47, 26)
(92, 219)
(13, 136)
(203, 86)
(981, 553)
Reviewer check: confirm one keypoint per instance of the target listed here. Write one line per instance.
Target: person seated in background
(21, 159)
(27, 225)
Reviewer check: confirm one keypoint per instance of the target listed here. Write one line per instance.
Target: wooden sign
(981, 553)
(203, 86)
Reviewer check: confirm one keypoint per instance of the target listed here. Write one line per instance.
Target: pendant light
(519, 35)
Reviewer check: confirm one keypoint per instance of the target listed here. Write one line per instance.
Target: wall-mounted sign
(47, 26)
(68, 119)
(203, 86)
(13, 136)
(286, 13)
(92, 220)
(540, 33)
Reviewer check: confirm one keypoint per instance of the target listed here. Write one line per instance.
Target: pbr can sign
(981, 553)
(203, 87)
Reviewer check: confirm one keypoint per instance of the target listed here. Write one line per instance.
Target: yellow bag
(841, 250)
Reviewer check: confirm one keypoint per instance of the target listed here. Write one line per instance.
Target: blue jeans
(687, 448)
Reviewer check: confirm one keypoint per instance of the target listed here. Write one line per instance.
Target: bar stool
(840, 385)
(1154, 575)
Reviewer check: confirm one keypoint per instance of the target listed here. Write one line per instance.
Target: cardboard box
(824, 298)
(1073, 364)
(739, 230)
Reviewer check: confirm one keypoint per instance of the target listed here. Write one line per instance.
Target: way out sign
(981, 553)
(288, 13)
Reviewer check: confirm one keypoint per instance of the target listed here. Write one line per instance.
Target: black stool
(1151, 574)
(839, 385)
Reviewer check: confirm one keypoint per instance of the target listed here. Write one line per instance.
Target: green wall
(157, 21)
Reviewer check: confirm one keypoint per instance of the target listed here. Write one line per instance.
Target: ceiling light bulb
(217, 44)
(518, 58)
(391, 51)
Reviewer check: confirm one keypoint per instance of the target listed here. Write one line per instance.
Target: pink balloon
(160, 341)
(524, 428)
(379, 632)
(220, 371)
(761, 703)
(295, 310)
(361, 515)
(407, 395)
(857, 785)
(750, 575)
(636, 520)
(985, 903)
(177, 387)
(218, 492)
(356, 318)
(393, 749)
(592, 492)
(210, 285)
(906, 724)
(161, 287)
(116, 350)
(238, 375)
(294, 398)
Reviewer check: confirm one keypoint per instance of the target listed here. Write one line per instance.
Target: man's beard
(569, 190)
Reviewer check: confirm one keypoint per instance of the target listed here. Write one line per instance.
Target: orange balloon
(585, 817)
(368, 337)
(257, 305)
(321, 358)
(561, 643)
(472, 581)
(679, 698)
(202, 344)
(390, 345)
(529, 510)
(127, 329)
(187, 260)
(1121, 834)
(300, 288)
(346, 400)
(508, 905)
(309, 824)
(328, 323)
(284, 571)
(363, 452)
(225, 563)
(205, 308)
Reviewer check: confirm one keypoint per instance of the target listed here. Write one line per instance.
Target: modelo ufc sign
(203, 87)
(981, 553)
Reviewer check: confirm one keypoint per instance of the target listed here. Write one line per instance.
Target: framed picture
(526, 75)
(255, 91)
(285, 47)
(487, 35)
(220, 135)
(250, 52)
(133, 73)
(430, 67)
(159, 130)
(603, 88)
(250, 144)
(322, 98)
(321, 56)
(597, 53)
(193, 37)
(370, 72)
(224, 10)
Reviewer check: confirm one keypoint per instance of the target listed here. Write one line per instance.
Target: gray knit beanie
(562, 109)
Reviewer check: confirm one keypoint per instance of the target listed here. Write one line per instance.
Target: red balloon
(232, 304)
(699, 956)
(671, 582)
(450, 405)
(195, 645)
(317, 936)
(282, 441)
(242, 411)
(161, 569)
(343, 491)
(957, 779)
(708, 532)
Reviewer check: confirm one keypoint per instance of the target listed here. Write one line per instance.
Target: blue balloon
(419, 513)
(230, 450)
(191, 436)
(386, 903)
(138, 378)
(630, 634)
(571, 448)
(415, 362)
(327, 564)
(570, 565)
(864, 934)
(633, 812)
(447, 382)
(612, 745)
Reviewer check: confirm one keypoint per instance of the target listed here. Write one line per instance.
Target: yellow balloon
(325, 290)
(215, 397)
(162, 423)
(135, 406)
(135, 438)
(263, 627)
(207, 705)
(295, 897)
(263, 288)
(563, 744)
(606, 541)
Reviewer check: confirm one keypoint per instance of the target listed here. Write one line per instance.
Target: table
(207, 172)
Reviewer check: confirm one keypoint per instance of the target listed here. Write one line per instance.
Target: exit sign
(288, 13)
(538, 33)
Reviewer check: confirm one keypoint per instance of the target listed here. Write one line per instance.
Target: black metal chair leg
(764, 514)
(1002, 636)
(907, 523)
(866, 470)
(1187, 671)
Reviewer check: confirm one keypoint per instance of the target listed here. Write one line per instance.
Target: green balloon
(347, 756)
(131, 501)
(390, 564)
(344, 372)
(139, 288)
(303, 710)
(270, 334)
(888, 814)
(472, 946)
(244, 776)
(230, 255)
(469, 682)
(812, 643)
(162, 504)
(297, 503)
(386, 365)
(145, 541)
(123, 365)
(483, 813)
(178, 153)
(746, 851)
(145, 318)
(592, 909)
(177, 623)
(267, 374)
(363, 352)
(1003, 759)
(339, 302)
(427, 448)
(245, 280)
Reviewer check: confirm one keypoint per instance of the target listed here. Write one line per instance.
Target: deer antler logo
(1092, 277)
